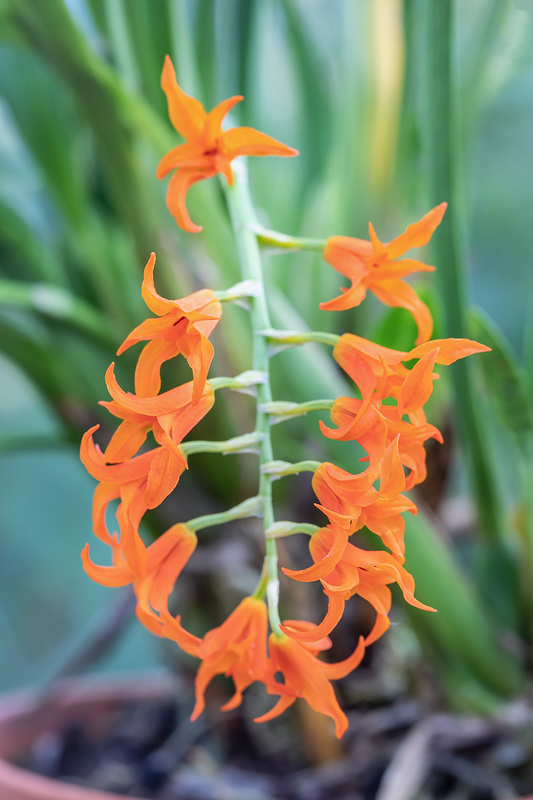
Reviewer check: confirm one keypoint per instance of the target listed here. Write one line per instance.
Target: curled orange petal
(178, 186)
(317, 633)
(399, 294)
(107, 576)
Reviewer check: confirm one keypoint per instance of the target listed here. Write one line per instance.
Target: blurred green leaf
(57, 303)
(505, 380)
(461, 625)
(53, 34)
(46, 119)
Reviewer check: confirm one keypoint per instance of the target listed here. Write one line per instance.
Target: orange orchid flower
(349, 501)
(375, 426)
(142, 482)
(377, 267)
(183, 327)
(164, 560)
(238, 648)
(376, 368)
(308, 677)
(358, 571)
(170, 416)
(208, 149)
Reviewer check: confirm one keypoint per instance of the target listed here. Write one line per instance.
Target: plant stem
(299, 337)
(279, 411)
(285, 528)
(242, 218)
(246, 443)
(252, 507)
(280, 469)
(283, 242)
(442, 145)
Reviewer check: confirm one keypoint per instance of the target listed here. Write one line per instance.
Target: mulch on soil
(393, 751)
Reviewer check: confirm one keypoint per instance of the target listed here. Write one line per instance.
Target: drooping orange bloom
(377, 266)
(183, 326)
(353, 502)
(163, 562)
(142, 482)
(308, 677)
(380, 374)
(362, 572)
(373, 367)
(348, 413)
(238, 648)
(375, 425)
(170, 416)
(208, 149)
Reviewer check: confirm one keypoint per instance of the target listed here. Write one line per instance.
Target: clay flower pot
(24, 718)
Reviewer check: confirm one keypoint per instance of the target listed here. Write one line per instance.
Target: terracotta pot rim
(23, 706)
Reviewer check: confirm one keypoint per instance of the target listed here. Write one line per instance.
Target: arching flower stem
(252, 507)
(293, 338)
(281, 410)
(280, 469)
(247, 443)
(281, 241)
(243, 217)
(285, 528)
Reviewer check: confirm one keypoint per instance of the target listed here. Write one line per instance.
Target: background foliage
(356, 86)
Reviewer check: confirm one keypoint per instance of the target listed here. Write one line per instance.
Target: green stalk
(442, 146)
(282, 241)
(252, 507)
(299, 337)
(242, 217)
(286, 528)
(246, 443)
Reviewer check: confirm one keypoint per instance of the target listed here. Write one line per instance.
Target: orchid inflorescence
(386, 418)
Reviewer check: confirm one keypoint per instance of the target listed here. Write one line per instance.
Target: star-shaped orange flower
(352, 502)
(170, 416)
(164, 560)
(208, 149)
(379, 369)
(362, 572)
(377, 266)
(238, 648)
(306, 676)
(375, 426)
(142, 482)
(181, 326)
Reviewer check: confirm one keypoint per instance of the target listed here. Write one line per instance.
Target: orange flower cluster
(238, 648)
(143, 481)
(389, 422)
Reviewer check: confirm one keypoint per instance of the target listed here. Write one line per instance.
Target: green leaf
(52, 301)
(460, 625)
(505, 379)
(45, 116)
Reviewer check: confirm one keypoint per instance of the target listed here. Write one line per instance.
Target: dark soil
(395, 750)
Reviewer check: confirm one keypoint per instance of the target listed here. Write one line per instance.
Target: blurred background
(350, 83)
